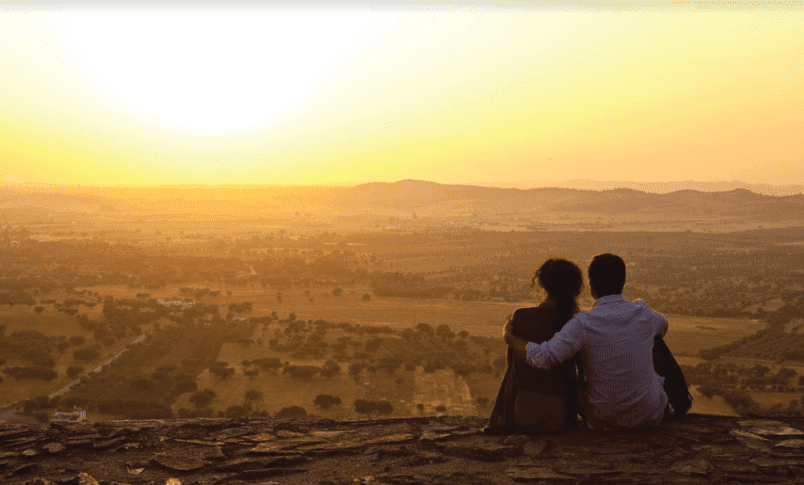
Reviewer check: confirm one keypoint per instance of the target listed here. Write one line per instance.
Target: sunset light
(213, 70)
(305, 94)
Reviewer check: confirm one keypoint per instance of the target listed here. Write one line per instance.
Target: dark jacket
(536, 324)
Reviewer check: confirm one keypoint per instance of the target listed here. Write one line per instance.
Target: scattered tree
(325, 401)
(202, 399)
(252, 396)
(291, 412)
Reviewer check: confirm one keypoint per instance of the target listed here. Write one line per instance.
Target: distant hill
(428, 198)
(661, 187)
(408, 197)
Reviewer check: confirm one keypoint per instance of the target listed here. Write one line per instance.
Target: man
(615, 341)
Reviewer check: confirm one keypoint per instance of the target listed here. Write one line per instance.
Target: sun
(213, 71)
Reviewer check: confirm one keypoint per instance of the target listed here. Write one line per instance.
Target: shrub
(325, 401)
(74, 370)
(236, 411)
(86, 354)
(77, 340)
(368, 408)
(42, 373)
(202, 399)
(185, 386)
(291, 412)
(303, 372)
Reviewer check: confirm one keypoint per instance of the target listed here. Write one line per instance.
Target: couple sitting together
(625, 377)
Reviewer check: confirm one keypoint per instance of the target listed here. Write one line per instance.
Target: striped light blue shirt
(615, 341)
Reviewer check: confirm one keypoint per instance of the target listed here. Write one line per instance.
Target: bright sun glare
(214, 71)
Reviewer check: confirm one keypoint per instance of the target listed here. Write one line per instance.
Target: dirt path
(443, 387)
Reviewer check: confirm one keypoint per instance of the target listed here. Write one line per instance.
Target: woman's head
(561, 279)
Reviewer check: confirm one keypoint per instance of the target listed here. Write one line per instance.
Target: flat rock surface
(430, 450)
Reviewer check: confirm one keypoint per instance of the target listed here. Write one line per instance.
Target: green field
(50, 323)
(687, 335)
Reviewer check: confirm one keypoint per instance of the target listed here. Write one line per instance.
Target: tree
(389, 365)
(443, 331)
(325, 401)
(365, 297)
(236, 411)
(39, 309)
(202, 399)
(74, 370)
(462, 369)
(303, 372)
(425, 330)
(291, 412)
(221, 370)
(268, 363)
(86, 354)
(77, 340)
(330, 369)
(368, 408)
(250, 397)
(337, 291)
(356, 368)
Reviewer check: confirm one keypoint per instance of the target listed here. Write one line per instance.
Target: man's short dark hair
(607, 274)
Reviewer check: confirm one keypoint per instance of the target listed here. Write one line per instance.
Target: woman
(534, 400)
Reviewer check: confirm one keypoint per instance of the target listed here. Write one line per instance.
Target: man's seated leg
(675, 386)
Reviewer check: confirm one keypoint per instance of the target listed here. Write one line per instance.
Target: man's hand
(508, 330)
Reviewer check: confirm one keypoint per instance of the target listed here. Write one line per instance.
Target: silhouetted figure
(532, 400)
(616, 344)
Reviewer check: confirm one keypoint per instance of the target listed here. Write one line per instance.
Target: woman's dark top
(531, 399)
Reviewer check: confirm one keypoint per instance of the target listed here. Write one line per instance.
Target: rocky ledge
(433, 450)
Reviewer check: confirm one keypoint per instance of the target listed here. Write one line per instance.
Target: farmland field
(405, 389)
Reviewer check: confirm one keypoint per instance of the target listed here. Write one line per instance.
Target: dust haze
(382, 299)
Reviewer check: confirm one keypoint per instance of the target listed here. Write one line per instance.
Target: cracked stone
(281, 445)
(241, 464)
(516, 440)
(393, 438)
(433, 436)
(20, 470)
(54, 447)
(771, 462)
(79, 442)
(261, 437)
(534, 447)
(201, 442)
(692, 467)
(212, 454)
(269, 472)
(791, 444)
(178, 462)
(108, 443)
(526, 474)
(233, 432)
(86, 479)
(745, 434)
(475, 447)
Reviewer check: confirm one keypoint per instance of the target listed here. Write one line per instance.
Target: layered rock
(435, 450)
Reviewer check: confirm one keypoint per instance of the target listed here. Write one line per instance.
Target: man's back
(623, 390)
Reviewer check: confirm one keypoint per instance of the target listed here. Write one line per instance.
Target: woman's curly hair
(563, 281)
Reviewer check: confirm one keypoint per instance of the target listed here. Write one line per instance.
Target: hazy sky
(455, 93)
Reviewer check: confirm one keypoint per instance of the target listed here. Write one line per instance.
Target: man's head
(606, 275)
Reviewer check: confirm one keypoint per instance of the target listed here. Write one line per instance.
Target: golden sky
(452, 93)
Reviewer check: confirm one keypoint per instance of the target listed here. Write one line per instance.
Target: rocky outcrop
(434, 450)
